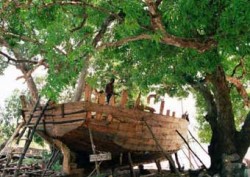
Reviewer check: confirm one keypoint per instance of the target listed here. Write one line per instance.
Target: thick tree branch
(240, 88)
(157, 25)
(102, 30)
(24, 38)
(241, 64)
(124, 41)
(156, 20)
(167, 39)
(28, 73)
(85, 16)
(9, 58)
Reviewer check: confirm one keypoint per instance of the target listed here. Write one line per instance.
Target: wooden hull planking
(114, 129)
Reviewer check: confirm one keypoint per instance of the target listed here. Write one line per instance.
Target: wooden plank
(168, 113)
(162, 107)
(121, 113)
(124, 129)
(102, 98)
(124, 98)
(111, 103)
(101, 101)
(87, 92)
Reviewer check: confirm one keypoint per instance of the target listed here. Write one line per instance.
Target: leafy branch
(9, 58)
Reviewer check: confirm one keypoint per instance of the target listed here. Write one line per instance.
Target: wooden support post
(112, 100)
(101, 101)
(177, 161)
(190, 148)
(67, 156)
(111, 103)
(124, 98)
(195, 160)
(189, 160)
(162, 107)
(167, 156)
(121, 154)
(198, 143)
(87, 92)
(94, 152)
(168, 112)
(51, 161)
(132, 173)
(158, 165)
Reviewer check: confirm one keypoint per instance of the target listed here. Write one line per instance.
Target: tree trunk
(222, 149)
(227, 146)
(81, 81)
(84, 71)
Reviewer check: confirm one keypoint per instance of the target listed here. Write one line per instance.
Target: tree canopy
(167, 46)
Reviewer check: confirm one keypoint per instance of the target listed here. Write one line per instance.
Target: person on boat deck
(109, 89)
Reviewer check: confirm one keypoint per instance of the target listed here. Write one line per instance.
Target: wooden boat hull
(115, 130)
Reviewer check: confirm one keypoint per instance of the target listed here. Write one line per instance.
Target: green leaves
(63, 35)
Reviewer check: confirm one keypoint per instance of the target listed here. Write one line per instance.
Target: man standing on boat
(109, 89)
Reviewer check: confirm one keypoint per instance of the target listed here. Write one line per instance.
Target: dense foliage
(173, 47)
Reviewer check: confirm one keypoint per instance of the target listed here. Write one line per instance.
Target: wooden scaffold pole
(168, 157)
(198, 142)
(94, 151)
(191, 148)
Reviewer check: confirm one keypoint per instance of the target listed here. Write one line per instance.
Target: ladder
(30, 135)
(28, 121)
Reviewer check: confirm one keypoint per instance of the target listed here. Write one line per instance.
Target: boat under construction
(92, 130)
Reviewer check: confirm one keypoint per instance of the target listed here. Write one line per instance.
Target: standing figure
(109, 90)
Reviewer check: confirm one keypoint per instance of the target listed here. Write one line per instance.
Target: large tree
(178, 46)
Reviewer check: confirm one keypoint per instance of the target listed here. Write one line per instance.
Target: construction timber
(115, 128)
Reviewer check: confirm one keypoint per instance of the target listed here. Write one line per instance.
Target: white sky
(9, 83)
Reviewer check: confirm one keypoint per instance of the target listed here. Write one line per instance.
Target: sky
(9, 83)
